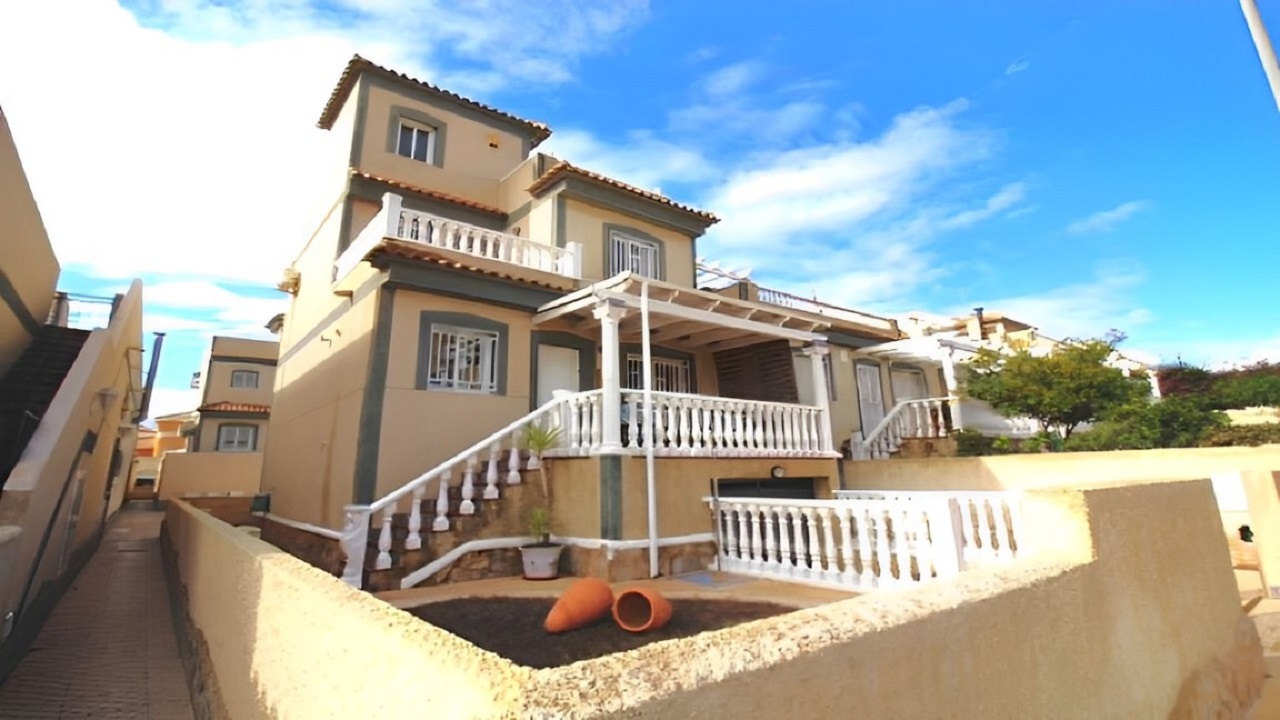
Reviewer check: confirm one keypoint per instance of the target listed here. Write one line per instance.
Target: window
(237, 438)
(417, 142)
(669, 374)
(629, 253)
(462, 359)
(244, 379)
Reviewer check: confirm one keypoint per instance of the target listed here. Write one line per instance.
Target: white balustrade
(436, 231)
(988, 524)
(908, 420)
(396, 221)
(703, 426)
(865, 540)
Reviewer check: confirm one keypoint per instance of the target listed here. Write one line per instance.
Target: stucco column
(610, 313)
(949, 377)
(817, 351)
(1262, 489)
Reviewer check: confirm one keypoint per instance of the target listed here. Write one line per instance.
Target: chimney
(974, 325)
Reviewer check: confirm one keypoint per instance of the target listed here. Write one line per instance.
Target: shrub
(1242, 435)
(971, 443)
(1172, 422)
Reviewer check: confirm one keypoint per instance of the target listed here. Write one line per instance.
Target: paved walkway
(109, 649)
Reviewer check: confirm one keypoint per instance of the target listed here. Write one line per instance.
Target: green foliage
(538, 440)
(540, 524)
(1170, 423)
(1063, 389)
(971, 443)
(1253, 386)
(1243, 435)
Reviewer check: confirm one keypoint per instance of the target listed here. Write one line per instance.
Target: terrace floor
(109, 649)
(698, 585)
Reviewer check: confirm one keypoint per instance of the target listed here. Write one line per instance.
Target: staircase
(913, 428)
(30, 385)
(501, 517)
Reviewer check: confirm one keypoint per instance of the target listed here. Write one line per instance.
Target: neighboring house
(70, 400)
(221, 440)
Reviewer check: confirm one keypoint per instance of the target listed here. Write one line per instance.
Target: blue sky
(1083, 166)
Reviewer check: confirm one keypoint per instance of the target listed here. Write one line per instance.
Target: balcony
(459, 241)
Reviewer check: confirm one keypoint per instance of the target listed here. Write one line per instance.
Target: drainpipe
(650, 442)
(145, 406)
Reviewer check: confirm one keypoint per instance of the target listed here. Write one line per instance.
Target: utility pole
(1266, 53)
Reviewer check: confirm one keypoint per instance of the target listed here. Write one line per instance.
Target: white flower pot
(541, 562)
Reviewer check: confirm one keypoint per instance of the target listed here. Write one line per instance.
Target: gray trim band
(369, 434)
(240, 359)
(611, 497)
(465, 284)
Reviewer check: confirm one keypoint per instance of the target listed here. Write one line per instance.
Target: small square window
(237, 438)
(244, 379)
(417, 142)
(463, 359)
(633, 254)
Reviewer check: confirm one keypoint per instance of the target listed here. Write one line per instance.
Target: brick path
(108, 650)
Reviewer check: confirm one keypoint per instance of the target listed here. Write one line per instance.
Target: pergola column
(817, 351)
(949, 377)
(610, 313)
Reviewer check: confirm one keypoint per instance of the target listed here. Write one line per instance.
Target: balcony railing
(795, 302)
(908, 420)
(687, 425)
(395, 221)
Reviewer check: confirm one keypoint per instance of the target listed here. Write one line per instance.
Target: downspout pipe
(650, 442)
(144, 407)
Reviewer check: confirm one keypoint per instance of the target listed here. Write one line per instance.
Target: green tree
(1063, 389)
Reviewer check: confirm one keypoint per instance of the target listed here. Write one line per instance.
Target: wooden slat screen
(764, 371)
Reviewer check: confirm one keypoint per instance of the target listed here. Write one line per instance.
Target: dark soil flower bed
(512, 627)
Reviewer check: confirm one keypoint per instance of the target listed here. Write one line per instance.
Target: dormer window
(417, 141)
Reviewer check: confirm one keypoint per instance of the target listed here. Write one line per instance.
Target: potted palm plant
(542, 558)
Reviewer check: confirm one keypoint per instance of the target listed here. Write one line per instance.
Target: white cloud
(168, 401)
(642, 160)
(1107, 220)
(1085, 309)
(189, 155)
(1017, 67)
(728, 106)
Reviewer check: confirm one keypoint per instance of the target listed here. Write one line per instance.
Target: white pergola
(691, 318)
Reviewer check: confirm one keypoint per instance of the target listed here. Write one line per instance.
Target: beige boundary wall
(200, 473)
(1115, 617)
(1050, 469)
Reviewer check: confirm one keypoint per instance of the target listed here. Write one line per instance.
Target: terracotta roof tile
(562, 168)
(537, 131)
(235, 407)
(445, 197)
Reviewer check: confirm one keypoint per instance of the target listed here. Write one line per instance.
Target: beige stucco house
(70, 400)
(222, 440)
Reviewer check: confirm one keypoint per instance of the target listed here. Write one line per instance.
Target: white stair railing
(575, 415)
(842, 543)
(910, 419)
(990, 522)
(704, 426)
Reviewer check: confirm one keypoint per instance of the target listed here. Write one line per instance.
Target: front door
(557, 370)
(907, 385)
(870, 397)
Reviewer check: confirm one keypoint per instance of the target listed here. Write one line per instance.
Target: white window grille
(669, 374)
(633, 254)
(237, 438)
(417, 142)
(463, 359)
(244, 379)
